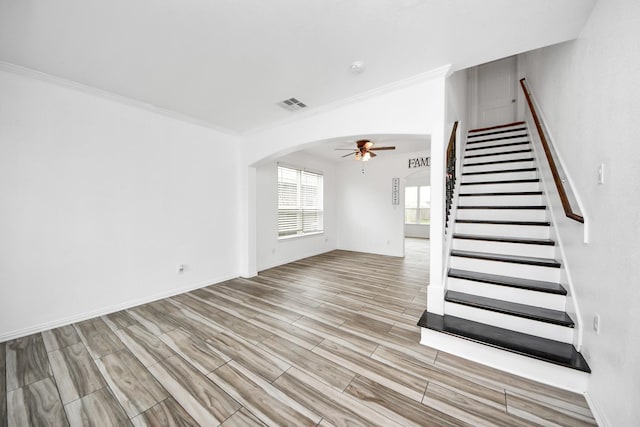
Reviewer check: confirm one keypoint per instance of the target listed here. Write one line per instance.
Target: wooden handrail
(566, 205)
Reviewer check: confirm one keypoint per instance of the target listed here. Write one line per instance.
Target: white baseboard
(527, 367)
(596, 410)
(107, 310)
(292, 259)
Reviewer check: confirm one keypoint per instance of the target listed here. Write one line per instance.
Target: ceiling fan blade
(372, 154)
(347, 155)
(382, 148)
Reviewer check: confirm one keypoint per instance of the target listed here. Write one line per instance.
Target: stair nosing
(513, 259)
(498, 162)
(504, 193)
(506, 181)
(504, 239)
(504, 222)
(502, 153)
(506, 207)
(509, 340)
(517, 309)
(501, 171)
(497, 132)
(502, 126)
(508, 144)
(499, 138)
(511, 282)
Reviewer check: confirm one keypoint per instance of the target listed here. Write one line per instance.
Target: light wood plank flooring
(328, 340)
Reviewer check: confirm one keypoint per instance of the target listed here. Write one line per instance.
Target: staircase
(503, 286)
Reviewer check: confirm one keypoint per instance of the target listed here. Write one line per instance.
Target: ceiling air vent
(292, 104)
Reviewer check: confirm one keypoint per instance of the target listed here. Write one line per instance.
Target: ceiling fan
(364, 150)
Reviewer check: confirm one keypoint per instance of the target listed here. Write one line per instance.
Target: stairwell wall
(589, 95)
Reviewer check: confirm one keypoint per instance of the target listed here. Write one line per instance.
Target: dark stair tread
(497, 138)
(503, 222)
(547, 350)
(516, 259)
(506, 144)
(504, 193)
(505, 239)
(546, 315)
(512, 282)
(499, 162)
(500, 171)
(506, 181)
(502, 126)
(501, 153)
(506, 207)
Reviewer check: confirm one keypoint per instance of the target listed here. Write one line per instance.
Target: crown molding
(110, 96)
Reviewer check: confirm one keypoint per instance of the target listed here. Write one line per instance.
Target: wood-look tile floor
(328, 340)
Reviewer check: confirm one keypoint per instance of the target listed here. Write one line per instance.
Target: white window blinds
(299, 202)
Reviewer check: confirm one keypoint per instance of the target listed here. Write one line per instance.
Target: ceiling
(229, 62)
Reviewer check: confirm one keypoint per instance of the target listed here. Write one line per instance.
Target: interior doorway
(497, 92)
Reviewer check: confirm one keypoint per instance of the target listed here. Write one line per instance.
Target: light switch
(601, 174)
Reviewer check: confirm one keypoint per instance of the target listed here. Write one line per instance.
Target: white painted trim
(527, 367)
(293, 259)
(111, 309)
(596, 411)
(440, 72)
(100, 93)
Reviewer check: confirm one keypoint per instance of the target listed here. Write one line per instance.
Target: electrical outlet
(180, 269)
(596, 323)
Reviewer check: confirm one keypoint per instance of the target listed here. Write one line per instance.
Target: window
(417, 205)
(299, 202)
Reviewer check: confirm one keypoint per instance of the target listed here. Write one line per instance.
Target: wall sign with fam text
(419, 162)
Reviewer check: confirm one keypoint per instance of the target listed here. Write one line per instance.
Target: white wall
(270, 250)
(367, 220)
(412, 107)
(589, 94)
(99, 203)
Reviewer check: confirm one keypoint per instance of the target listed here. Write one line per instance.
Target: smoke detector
(357, 67)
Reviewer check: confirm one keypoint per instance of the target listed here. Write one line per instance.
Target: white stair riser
(507, 293)
(472, 144)
(514, 144)
(497, 166)
(514, 323)
(501, 268)
(537, 370)
(499, 176)
(504, 214)
(473, 150)
(496, 188)
(521, 249)
(513, 135)
(519, 200)
(524, 231)
(497, 157)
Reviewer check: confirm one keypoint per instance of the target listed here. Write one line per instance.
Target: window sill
(300, 236)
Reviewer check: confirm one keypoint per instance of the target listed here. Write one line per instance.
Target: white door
(497, 92)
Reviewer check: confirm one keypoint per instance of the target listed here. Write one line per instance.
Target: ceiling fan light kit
(364, 150)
